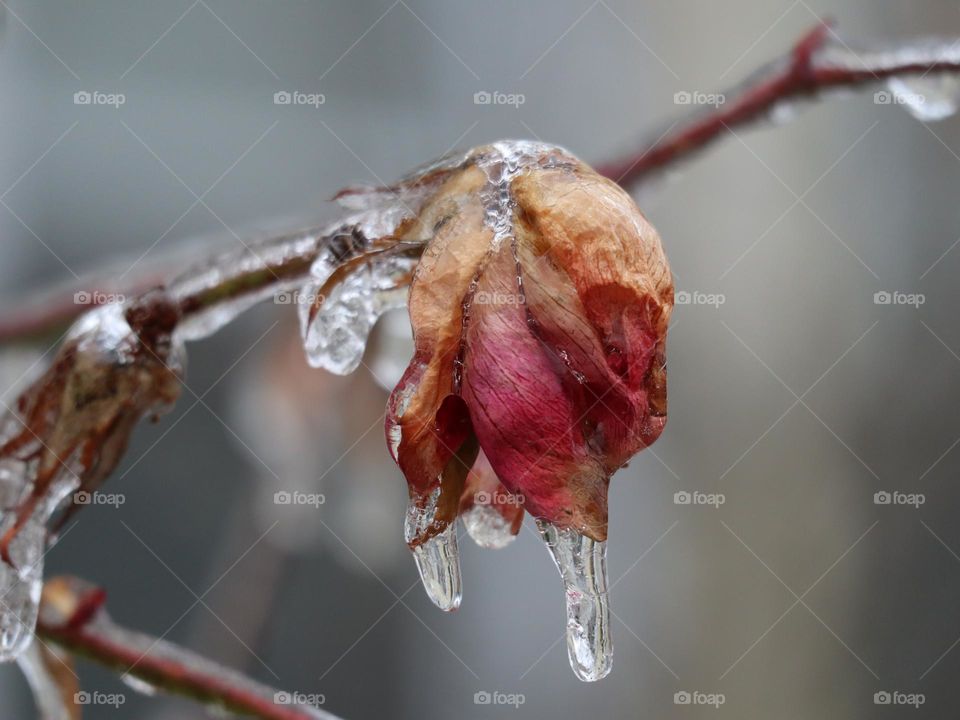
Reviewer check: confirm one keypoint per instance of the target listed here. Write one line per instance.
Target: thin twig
(818, 63)
(72, 617)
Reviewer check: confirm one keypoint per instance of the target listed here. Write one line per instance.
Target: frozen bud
(539, 308)
(117, 364)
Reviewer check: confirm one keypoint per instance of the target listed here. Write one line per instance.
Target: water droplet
(582, 563)
(437, 557)
(929, 98)
(488, 527)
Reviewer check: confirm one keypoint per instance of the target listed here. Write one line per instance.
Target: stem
(72, 617)
(816, 64)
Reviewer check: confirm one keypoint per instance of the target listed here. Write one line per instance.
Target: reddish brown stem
(73, 617)
(804, 73)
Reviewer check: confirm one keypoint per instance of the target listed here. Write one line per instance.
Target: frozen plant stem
(820, 62)
(72, 617)
(817, 64)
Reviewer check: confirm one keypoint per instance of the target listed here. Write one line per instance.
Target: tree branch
(819, 62)
(72, 616)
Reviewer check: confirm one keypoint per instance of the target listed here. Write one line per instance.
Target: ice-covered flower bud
(539, 298)
(539, 309)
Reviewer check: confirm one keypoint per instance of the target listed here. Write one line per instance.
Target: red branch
(73, 617)
(806, 72)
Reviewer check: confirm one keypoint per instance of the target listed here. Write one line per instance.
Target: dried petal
(539, 309)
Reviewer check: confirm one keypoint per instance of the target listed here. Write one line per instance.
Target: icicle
(438, 557)
(488, 527)
(47, 694)
(21, 584)
(336, 337)
(930, 98)
(583, 566)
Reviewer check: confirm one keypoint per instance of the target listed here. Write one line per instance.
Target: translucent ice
(488, 527)
(267, 269)
(438, 557)
(583, 566)
(336, 325)
(21, 583)
(76, 420)
(928, 98)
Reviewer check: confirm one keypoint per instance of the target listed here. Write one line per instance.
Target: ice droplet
(438, 557)
(929, 98)
(582, 563)
(336, 337)
(488, 527)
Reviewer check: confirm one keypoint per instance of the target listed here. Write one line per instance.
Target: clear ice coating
(257, 257)
(50, 702)
(487, 527)
(438, 557)
(336, 336)
(502, 162)
(102, 347)
(20, 584)
(582, 562)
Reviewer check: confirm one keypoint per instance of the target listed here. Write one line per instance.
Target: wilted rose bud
(539, 309)
(540, 299)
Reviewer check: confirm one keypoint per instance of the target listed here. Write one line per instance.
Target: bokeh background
(797, 398)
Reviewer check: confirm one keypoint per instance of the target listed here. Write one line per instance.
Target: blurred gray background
(798, 398)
